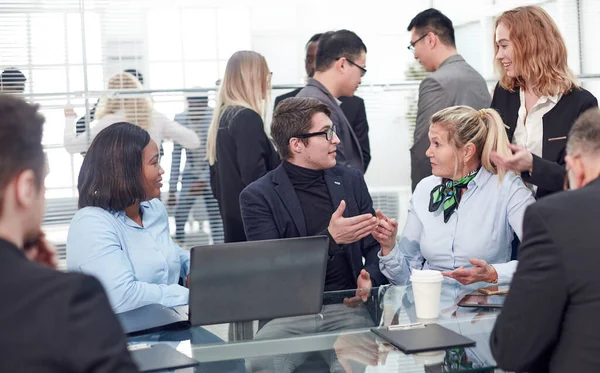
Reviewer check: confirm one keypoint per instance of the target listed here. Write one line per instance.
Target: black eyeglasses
(363, 71)
(328, 134)
(411, 46)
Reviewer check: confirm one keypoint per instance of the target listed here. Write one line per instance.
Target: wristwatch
(494, 281)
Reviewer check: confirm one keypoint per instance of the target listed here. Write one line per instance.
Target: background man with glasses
(309, 195)
(352, 106)
(452, 81)
(340, 66)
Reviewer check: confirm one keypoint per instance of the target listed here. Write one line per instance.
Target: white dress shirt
(529, 132)
(160, 127)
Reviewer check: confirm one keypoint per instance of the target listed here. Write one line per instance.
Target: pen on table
(406, 326)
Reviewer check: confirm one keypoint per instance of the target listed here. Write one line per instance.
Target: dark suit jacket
(548, 171)
(354, 110)
(549, 322)
(56, 322)
(271, 210)
(244, 153)
(282, 97)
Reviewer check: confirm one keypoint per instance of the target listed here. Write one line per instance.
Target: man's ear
(295, 145)
(341, 65)
(25, 189)
(432, 39)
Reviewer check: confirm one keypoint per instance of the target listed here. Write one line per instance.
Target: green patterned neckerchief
(448, 194)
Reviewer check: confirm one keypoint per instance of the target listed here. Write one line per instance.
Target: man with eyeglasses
(309, 195)
(340, 66)
(452, 81)
(549, 322)
(352, 106)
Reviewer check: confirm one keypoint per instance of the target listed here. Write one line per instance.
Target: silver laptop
(257, 280)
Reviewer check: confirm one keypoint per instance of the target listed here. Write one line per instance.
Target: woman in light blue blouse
(121, 233)
(463, 218)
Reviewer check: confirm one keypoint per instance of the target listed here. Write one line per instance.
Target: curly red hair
(540, 53)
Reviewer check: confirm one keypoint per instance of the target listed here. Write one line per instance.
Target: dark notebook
(153, 318)
(429, 337)
(160, 357)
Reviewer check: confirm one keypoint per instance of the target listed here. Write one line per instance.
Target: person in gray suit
(452, 81)
(340, 66)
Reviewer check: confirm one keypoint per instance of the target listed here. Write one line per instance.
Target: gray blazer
(349, 153)
(455, 82)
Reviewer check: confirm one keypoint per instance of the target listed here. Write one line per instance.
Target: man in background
(51, 321)
(12, 81)
(340, 66)
(452, 81)
(352, 106)
(195, 178)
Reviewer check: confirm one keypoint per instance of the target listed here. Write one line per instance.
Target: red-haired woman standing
(537, 96)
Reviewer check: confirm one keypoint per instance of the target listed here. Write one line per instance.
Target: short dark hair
(585, 133)
(336, 44)
(432, 20)
(293, 117)
(313, 39)
(136, 73)
(111, 175)
(12, 78)
(21, 130)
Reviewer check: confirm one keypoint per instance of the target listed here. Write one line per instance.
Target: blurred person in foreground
(53, 321)
(549, 322)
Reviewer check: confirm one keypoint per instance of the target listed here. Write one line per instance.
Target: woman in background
(136, 109)
(238, 149)
(537, 96)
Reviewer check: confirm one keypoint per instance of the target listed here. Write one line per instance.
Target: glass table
(339, 338)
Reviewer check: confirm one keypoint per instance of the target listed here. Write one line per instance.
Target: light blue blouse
(136, 265)
(482, 227)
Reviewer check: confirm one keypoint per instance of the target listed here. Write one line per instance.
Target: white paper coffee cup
(427, 289)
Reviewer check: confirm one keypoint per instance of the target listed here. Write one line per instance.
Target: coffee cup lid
(426, 275)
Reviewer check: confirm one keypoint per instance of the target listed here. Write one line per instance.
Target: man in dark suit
(50, 321)
(307, 195)
(549, 322)
(352, 106)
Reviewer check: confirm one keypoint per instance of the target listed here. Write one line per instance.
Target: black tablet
(482, 301)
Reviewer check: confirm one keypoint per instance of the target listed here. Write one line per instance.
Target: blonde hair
(540, 53)
(246, 83)
(483, 128)
(138, 110)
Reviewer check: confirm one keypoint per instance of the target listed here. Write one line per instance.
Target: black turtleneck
(316, 204)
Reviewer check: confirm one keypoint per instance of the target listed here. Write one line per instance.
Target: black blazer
(271, 210)
(354, 110)
(548, 171)
(244, 153)
(549, 322)
(56, 322)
